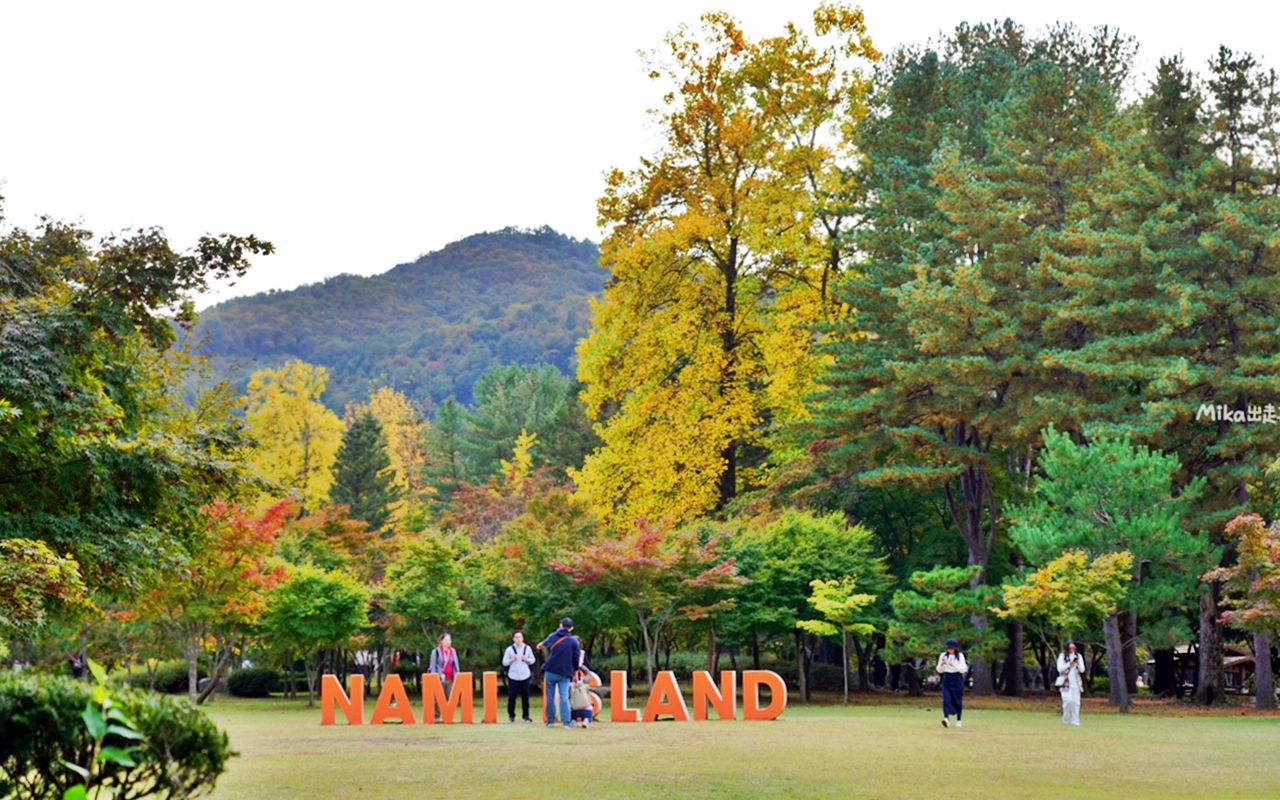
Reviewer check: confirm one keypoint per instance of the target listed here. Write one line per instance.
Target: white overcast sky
(357, 136)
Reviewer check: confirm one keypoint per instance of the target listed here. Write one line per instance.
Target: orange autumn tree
(1252, 594)
(659, 574)
(221, 589)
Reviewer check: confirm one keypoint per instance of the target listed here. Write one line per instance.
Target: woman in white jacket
(1070, 672)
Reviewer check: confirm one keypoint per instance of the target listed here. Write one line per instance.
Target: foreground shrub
(41, 726)
(256, 682)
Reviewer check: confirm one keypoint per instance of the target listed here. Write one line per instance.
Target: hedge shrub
(40, 727)
(171, 677)
(255, 682)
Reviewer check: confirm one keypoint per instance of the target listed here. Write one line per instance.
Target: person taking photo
(952, 666)
(1070, 681)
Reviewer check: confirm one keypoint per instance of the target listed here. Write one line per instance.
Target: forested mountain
(428, 328)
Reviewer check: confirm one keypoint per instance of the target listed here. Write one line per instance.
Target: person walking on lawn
(953, 668)
(517, 659)
(1070, 669)
(444, 662)
(563, 654)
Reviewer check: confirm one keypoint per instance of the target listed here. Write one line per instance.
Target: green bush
(40, 726)
(1101, 685)
(281, 681)
(255, 682)
(171, 677)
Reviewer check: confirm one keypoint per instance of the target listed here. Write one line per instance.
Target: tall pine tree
(445, 468)
(1177, 283)
(363, 478)
(989, 150)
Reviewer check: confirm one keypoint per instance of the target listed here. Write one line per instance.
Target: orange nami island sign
(664, 700)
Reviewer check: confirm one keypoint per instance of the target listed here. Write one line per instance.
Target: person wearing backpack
(517, 659)
(563, 655)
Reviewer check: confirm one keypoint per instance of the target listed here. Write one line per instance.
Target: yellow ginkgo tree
(842, 608)
(720, 248)
(297, 437)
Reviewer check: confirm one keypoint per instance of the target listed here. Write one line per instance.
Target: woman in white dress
(1070, 672)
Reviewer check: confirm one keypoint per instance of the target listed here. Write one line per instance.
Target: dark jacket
(562, 653)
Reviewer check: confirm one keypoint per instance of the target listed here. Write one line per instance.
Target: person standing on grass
(563, 657)
(517, 659)
(444, 662)
(952, 666)
(1070, 670)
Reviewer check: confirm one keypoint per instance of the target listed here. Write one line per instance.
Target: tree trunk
(313, 676)
(728, 483)
(649, 649)
(191, 652)
(84, 650)
(711, 649)
(1115, 663)
(844, 657)
(219, 667)
(863, 655)
(1209, 681)
(807, 639)
(801, 684)
(1164, 674)
(914, 687)
(1265, 694)
(1129, 643)
(1011, 680)
(980, 671)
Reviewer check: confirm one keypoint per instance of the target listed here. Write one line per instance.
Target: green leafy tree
(314, 611)
(938, 606)
(527, 591)
(36, 585)
(105, 455)
(362, 476)
(781, 557)
(1108, 497)
(841, 608)
(422, 590)
(1070, 594)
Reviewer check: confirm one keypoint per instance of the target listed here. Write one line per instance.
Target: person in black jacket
(563, 655)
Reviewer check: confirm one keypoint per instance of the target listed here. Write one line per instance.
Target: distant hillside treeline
(428, 328)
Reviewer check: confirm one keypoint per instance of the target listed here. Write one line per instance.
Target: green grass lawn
(892, 748)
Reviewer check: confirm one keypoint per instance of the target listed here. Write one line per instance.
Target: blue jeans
(556, 684)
